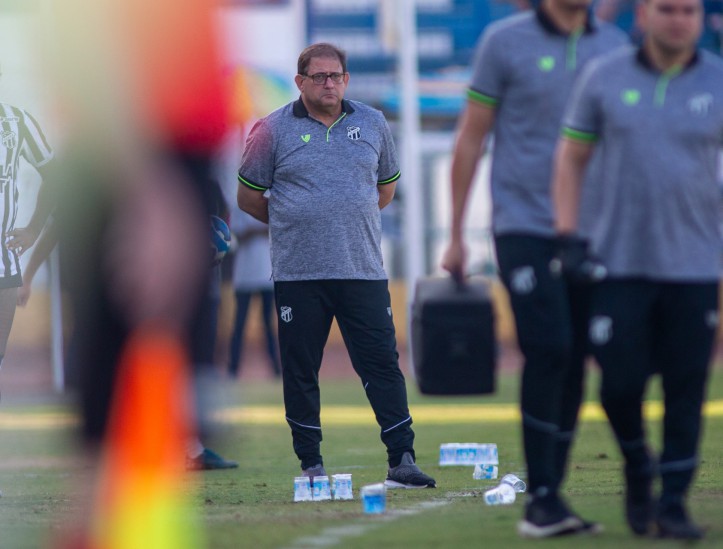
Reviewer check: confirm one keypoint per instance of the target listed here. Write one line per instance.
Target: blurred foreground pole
(408, 73)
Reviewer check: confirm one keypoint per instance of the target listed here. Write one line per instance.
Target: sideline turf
(41, 479)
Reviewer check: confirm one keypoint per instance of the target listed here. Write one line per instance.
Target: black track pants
(362, 309)
(638, 328)
(551, 320)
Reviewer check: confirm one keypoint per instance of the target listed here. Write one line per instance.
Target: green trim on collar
(571, 50)
(343, 115)
(661, 86)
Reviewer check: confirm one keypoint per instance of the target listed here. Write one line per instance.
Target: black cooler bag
(453, 340)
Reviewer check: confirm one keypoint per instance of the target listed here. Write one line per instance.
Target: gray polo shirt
(659, 135)
(525, 68)
(324, 216)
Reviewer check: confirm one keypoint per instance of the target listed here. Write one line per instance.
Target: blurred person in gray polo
(655, 116)
(522, 75)
(318, 171)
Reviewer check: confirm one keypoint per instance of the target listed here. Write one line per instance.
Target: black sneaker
(639, 500)
(408, 475)
(547, 516)
(208, 460)
(315, 471)
(673, 522)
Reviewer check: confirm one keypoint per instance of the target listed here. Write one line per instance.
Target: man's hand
(574, 261)
(21, 239)
(455, 259)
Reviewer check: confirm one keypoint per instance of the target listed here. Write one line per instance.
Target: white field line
(335, 535)
(432, 414)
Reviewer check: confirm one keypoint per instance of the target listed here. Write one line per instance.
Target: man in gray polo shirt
(522, 76)
(657, 115)
(329, 165)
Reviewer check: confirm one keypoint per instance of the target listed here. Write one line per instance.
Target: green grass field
(43, 482)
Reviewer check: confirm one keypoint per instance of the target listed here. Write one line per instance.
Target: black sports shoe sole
(389, 483)
(679, 530)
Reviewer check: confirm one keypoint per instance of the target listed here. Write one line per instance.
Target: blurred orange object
(140, 499)
(176, 52)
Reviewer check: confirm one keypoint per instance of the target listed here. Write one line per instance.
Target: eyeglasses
(320, 77)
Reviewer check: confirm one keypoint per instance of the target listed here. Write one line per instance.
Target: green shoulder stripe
(253, 186)
(482, 98)
(391, 179)
(580, 137)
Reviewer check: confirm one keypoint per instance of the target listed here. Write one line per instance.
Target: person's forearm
(257, 211)
(571, 160)
(386, 194)
(464, 166)
(475, 125)
(254, 203)
(41, 252)
(43, 207)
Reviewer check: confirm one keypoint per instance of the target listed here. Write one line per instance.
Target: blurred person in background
(523, 73)
(252, 277)
(139, 255)
(204, 331)
(655, 116)
(144, 105)
(21, 138)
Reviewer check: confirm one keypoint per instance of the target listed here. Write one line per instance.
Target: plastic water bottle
(448, 453)
(302, 489)
(341, 485)
(468, 453)
(516, 482)
(322, 490)
(374, 498)
(487, 453)
(474, 453)
(484, 471)
(504, 494)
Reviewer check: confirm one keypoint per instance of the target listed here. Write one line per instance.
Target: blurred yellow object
(140, 496)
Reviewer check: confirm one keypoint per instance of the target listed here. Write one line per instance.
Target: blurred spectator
(252, 277)
(21, 137)
(204, 329)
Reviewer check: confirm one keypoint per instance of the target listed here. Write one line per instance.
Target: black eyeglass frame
(320, 78)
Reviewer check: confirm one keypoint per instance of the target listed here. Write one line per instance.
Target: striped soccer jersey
(20, 136)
